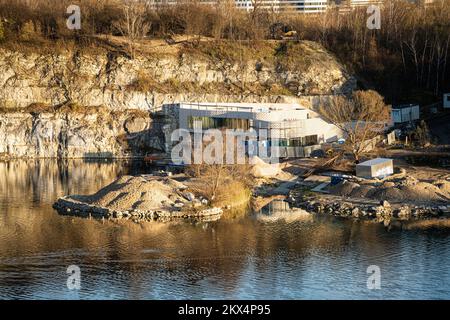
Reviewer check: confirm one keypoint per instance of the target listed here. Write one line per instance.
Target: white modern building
(446, 102)
(405, 113)
(296, 130)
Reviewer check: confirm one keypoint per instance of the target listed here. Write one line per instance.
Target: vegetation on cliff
(407, 57)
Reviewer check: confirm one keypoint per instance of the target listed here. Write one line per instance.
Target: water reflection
(282, 210)
(291, 257)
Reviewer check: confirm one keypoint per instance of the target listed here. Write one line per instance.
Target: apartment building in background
(294, 6)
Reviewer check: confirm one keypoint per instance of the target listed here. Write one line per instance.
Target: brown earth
(136, 193)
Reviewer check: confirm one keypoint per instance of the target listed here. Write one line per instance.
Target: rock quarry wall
(119, 86)
(79, 135)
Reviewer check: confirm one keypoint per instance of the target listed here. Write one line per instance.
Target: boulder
(189, 196)
(262, 169)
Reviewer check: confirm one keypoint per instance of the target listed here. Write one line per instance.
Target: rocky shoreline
(383, 212)
(67, 206)
(144, 197)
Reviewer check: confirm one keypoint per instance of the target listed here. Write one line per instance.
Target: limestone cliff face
(145, 82)
(78, 135)
(119, 84)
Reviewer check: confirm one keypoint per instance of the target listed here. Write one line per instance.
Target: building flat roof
(250, 107)
(404, 106)
(374, 162)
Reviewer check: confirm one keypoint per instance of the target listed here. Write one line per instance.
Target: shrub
(142, 83)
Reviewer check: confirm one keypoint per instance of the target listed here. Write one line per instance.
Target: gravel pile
(344, 188)
(407, 189)
(138, 193)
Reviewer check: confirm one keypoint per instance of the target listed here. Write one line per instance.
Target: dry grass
(143, 83)
(230, 192)
(222, 185)
(39, 108)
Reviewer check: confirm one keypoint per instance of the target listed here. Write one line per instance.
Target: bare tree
(361, 118)
(220, 182)
(133, 23)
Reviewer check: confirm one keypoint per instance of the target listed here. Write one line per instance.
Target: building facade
(289, 129)
(405, 113)
(300, 6)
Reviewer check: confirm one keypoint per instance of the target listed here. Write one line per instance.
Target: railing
(217, 107)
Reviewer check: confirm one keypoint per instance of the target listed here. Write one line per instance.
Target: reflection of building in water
(281, 210)
(276, 206)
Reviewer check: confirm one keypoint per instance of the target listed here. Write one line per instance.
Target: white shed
(405, 113)
(446, 102)
(375, 168)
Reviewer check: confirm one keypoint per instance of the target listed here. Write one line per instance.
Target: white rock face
(73, 135)
(107, 79)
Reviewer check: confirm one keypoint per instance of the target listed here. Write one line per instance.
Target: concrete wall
(403, 115)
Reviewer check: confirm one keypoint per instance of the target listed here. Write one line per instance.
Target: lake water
(285, 255)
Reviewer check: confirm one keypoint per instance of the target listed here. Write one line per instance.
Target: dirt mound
(407, 189)
(343, 188)
(136, 193)
(423, 191)
(363, 191)
(390, 194)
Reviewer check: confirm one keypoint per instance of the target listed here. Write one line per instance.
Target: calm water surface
(283, 256)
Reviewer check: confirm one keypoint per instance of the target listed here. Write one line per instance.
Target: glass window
(218, 123)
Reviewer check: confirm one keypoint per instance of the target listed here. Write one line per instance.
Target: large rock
(136, 124)
(262, 169)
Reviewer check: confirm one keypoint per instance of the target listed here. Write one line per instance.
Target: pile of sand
(138, 193)
(344, 188)
(362, 191)
(407, 189)
(382, 193)
(262, 169)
